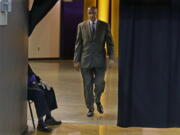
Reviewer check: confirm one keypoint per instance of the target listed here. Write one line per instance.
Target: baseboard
(43, 58)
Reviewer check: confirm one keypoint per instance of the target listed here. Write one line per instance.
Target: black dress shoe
(90, 113)
(52, 122)
(43, 128)
(100, 108)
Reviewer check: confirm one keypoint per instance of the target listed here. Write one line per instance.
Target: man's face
(92, 14)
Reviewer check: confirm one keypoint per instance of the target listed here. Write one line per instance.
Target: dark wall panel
(71, 15)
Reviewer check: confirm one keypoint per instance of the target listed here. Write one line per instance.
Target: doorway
(71, 15)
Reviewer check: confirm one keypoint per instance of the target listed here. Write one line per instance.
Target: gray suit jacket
(90, 49)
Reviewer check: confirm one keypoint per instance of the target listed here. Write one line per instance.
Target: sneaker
(43, 128)
(100, 108)
(90, 113)
(51, 122)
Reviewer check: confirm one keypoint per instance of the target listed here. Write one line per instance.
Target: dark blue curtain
(149, 64)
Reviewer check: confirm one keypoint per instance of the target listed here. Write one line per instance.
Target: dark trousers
(44, 100)
(93, 77)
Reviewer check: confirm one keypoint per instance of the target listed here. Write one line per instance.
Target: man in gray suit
(90, 57)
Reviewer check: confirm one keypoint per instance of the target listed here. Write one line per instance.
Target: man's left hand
(45, 85)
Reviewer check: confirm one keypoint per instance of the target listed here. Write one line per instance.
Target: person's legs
(88, 79)
(38, 97)
(52, 104)
(99, 86)
(51, 99)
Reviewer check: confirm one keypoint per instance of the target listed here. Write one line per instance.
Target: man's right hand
(111, 63)
(77, 66)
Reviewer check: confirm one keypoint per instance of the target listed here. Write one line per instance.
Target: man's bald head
(92, 13)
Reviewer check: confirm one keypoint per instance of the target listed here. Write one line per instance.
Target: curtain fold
(149, 63)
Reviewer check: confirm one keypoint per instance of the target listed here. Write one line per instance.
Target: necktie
(93, 29)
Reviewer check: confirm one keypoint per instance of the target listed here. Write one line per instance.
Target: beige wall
(44, 41)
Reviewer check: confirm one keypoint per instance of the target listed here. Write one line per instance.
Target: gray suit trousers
(94, 84)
